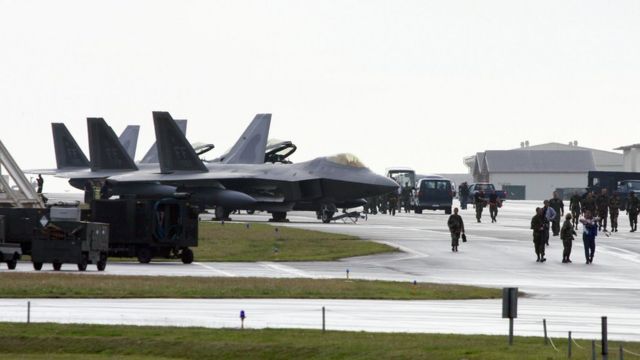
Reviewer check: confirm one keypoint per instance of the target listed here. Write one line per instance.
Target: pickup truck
(487, 188)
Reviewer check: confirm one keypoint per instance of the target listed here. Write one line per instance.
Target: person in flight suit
(574, 205)
(494, 202)
(602, 204)
(537, 225)
(566, 234)
(614, 210)
(456, 227)
(479, 203)
(633, 207)
(558, 206)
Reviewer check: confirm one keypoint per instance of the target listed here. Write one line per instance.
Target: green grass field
(261, 242)
(57, 285)
(58, 341)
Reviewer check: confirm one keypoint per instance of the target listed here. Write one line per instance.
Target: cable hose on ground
(553, 345)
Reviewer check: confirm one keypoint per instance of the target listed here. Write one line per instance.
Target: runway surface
(573, 296)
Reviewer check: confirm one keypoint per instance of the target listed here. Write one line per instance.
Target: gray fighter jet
(237, 180)
(322, 185)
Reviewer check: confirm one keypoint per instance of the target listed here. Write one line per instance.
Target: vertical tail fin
(251, 146)
(129, 139)
(151, 157)
(68, 153)
(104, 148)
(174, 151)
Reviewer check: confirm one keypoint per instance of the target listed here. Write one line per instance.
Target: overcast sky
(415, 83)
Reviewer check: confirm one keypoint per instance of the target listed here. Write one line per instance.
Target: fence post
(621, 357)
(544, 325)
(605, 341)
(593, 350)
(323, 319)
(569, 346)
(28, 312)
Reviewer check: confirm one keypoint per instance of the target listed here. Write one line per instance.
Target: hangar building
(534, 172)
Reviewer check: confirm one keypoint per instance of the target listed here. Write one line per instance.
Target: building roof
(538, 161)
(628, 147)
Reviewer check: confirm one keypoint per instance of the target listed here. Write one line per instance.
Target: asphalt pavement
(570, 296)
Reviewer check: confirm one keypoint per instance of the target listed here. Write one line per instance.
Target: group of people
(390, 203)
(602, 205)
(590, 210)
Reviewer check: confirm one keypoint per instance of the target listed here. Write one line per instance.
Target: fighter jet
(322, 185)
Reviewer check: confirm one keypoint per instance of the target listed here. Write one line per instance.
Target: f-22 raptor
(322, 185)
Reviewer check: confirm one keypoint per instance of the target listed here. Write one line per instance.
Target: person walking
(558, 206)
(494, 202)
(574, 206)
(456, 227)
(589, 233)
(633, 207)
(602, 204)
(614, 211)
(463, 194)
(537, 225)
(549, 214)
(566, 234)
(479, 203)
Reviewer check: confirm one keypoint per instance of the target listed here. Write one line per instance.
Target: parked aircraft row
(245, 177)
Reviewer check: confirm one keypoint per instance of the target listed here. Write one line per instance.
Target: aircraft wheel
(327, 216)
(102, 263)
(37, 266)
(187, 256)
(12, 264)
(144, 255)
(251, 212)
(447, 211)
(82, 265)
(418, 211)
(57, 266)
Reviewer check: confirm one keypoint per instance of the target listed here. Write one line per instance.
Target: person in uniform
(574, 205)
(456, 227)
(549, 214)
(479, 203)
(537, 225)
(406, 197)
(614, 210)
(393, 203)
(493, 206)
(566, 234)
(633, 207)
(588, 203)
(40, 183)
(463, 195)
(558, 206)
(602, 204)
(589, 233)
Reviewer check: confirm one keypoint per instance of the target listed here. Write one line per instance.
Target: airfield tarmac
(572, 297)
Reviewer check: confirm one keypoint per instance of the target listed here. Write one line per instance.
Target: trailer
(9, 253)
(148, 228)
(71, 242)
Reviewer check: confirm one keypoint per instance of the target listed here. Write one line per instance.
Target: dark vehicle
(609, 180)
(487, 189)
(9, 253)
(147, 228)
(71, 242)
(433, 193)
(624, 189)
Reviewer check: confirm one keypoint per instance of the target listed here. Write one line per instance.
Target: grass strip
(262, 242)
(62, 341)
(74, 285)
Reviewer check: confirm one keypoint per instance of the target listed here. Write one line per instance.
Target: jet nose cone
(386, 184)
